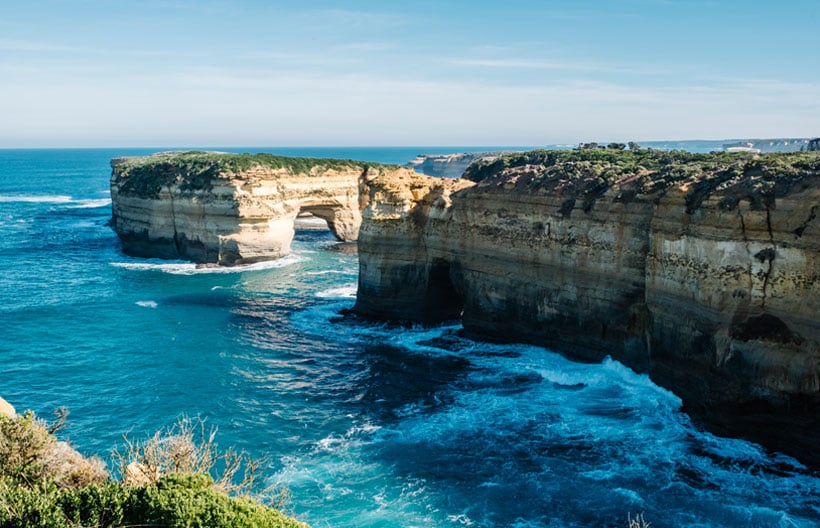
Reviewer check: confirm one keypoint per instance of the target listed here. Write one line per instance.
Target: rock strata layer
(700, 269)
(230, 209)
(449, 165)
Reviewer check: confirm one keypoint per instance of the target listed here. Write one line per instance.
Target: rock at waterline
(7, 409)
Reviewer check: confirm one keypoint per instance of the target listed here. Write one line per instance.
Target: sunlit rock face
(229, 209)
(701, 270)
(449, 165)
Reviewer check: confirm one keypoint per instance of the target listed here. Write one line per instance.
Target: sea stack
(230, 209)
(699, 269)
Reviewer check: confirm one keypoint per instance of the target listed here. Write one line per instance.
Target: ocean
(368, 425)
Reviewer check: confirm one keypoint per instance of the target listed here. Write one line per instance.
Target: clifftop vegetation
(587, 173)
(196, 170)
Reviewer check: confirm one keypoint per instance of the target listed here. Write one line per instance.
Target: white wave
(91, 203)
(147, 304)
(27, 198)
(56, 199)
(461, 519)
(345, 292)
(353, 437)
(177, 267)
(325, 272)
(310, 222)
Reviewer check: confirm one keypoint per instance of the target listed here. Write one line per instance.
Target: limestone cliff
(449, 165)
(230, 208)
(700, 269)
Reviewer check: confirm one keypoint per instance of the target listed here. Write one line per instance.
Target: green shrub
(176, 501)
(46, 484)
(587, 173)
(197, 170)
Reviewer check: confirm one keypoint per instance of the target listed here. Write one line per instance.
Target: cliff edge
(450, 165)
(700, 269)
(229, 209)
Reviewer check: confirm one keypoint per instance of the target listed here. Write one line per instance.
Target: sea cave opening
(444, 300)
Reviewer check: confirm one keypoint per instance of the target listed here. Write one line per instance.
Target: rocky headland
(449, 165)
(699, 269)
(230, 209)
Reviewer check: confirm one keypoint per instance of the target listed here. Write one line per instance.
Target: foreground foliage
(44, 483)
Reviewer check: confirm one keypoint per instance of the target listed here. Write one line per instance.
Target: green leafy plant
(46, 484)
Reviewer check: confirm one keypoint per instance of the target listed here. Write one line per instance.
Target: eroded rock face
(449, 165)
(701, 271)
(230, 209)
(399, 276)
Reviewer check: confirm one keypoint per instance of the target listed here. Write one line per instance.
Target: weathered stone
(137, 474)
(709, 282)
(6, 409)
(230, 209)
(449, 165)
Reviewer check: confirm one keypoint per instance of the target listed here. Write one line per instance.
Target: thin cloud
(563, 65)
(35, 46)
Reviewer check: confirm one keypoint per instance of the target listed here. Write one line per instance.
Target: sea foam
(177, 267)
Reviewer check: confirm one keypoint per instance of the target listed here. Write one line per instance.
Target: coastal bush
(175, 501)
(587, 173)
(31, 454)
(46, 484)
(638, 521)
(187, 447)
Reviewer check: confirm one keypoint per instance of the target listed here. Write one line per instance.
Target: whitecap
(91, 203)
(461, 519)
(345, 292)
(28, 198)
(147, 304)
(177, 267)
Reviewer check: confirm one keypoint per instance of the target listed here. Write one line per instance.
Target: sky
(97, 73)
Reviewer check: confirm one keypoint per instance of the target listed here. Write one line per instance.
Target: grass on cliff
(196, 170)
(585, 174)
(46, 484)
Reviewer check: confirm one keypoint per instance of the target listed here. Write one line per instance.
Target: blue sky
(270, 73)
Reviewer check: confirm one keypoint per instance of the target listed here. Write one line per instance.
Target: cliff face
(698, 269)
(398, 277)
(227, 208)
(449, 165)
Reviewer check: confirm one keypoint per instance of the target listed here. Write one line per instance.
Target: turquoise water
(368, 425)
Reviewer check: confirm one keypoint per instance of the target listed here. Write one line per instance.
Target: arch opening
(343, 222)
(443, 299)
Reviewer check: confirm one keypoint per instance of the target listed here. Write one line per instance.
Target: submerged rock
(700, 269)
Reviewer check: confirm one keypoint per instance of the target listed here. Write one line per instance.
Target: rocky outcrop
(449, 165)
(230, 209)
(7, 409)
(701, 270)
(768, 145)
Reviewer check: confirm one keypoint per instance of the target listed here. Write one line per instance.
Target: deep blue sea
(368, 425)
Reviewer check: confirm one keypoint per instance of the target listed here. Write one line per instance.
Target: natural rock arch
(230, 209)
